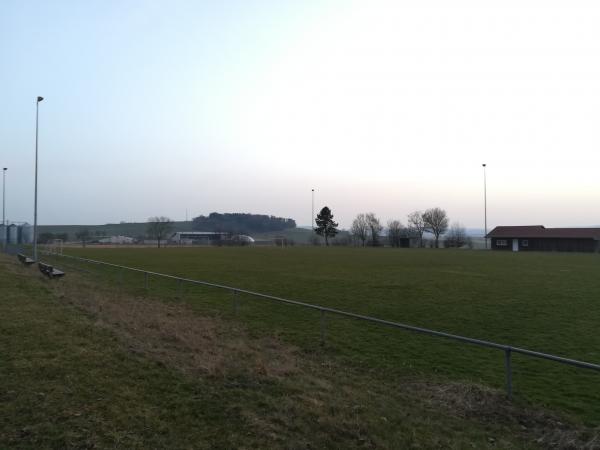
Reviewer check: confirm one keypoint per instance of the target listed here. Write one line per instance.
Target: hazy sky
(152, 107)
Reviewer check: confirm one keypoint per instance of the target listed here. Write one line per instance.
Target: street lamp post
(485, 205)
(4, 205)
(37, 109)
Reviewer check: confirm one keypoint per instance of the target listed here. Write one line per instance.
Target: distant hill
(234, 222)
(476, 232)
(297, 235)
(138, 229)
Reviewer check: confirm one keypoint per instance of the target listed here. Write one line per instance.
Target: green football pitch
(548, 302)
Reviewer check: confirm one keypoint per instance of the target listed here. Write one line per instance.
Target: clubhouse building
(540, 238)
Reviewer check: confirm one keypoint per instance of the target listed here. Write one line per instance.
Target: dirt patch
(490, 405)
(177, 337)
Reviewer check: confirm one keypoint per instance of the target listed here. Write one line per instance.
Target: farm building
(207, 238)
(196, 237)
(120, 240)
(540, 238)
(16, 234)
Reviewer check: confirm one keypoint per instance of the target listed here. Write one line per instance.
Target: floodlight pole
(485, 205)
(312, 218)
(35, 201)
(4, 205)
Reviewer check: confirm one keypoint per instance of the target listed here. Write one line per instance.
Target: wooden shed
(540, 238)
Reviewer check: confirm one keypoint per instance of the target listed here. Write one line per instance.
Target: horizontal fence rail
(507, 349)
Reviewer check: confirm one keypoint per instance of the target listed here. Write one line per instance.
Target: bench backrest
(45, 268)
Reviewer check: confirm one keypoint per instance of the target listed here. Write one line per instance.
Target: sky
(188, 107)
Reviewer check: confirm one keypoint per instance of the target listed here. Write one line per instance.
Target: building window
(525, 243)
(501, 242)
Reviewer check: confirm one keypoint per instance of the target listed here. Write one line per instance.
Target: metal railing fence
(507, 350)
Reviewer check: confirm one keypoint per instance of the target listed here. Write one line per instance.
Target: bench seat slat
(50, 271)
(25, 260)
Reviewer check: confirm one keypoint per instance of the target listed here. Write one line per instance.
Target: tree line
(241, 223)
(367, 229)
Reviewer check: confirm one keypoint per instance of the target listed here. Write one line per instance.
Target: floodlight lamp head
(39, 99)
(483, 165)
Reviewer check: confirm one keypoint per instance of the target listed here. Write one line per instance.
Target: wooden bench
(50, 271)
(25, 260)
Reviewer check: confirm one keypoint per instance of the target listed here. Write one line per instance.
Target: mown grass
(83, 366)
(541, 301)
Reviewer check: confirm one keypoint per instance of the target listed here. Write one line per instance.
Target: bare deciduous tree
(158, 228)
(395, 231)
(456, 236)
(416, 225)
(436, 223)
(360, 229)
(375, 228)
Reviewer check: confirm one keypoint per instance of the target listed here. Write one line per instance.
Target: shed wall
(549, 244)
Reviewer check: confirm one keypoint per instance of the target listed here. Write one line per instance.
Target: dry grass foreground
(311, 402)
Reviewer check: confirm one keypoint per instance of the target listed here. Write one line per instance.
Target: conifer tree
(326, 227)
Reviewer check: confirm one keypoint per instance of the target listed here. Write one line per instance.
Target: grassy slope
(546, 302)
(297, 235)
(301, 236)
(67, 384)
(132, 229)
(66, 381)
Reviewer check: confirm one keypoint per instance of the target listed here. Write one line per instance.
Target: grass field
(548, 302)
(83, 365)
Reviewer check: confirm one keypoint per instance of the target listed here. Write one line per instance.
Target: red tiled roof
(539, 231)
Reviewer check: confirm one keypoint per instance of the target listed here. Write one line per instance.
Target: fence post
(146, 280)
(235, 302)
(508, 369)
(322, 327)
